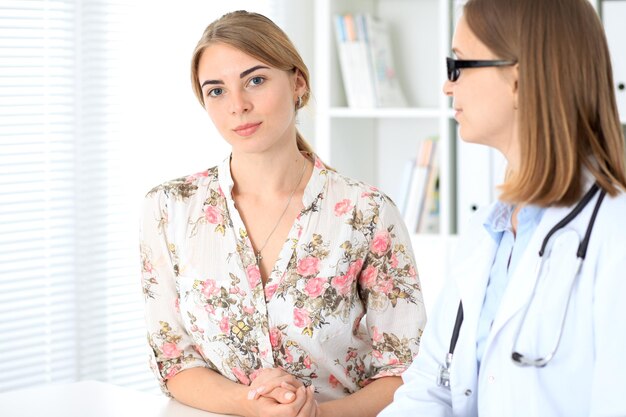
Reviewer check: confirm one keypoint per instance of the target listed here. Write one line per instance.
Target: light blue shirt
(510, 249)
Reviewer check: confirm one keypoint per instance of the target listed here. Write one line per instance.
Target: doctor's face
(484, 99)
(250, 103)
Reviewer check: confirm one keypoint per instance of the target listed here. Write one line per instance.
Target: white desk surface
(91, 399)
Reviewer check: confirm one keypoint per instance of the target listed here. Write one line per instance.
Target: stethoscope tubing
(581, 253)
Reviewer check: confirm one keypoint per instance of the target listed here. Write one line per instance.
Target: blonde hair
(567, 110)
(259, 37)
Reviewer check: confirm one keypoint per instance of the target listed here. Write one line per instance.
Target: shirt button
(468, 392)
(491, 379)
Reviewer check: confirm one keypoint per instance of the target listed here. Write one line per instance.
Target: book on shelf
(421, 207)
(366, 61)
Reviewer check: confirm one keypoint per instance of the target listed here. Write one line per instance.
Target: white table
(91, 399)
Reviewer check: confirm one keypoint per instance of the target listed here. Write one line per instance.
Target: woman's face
(484, 99)
(251, 104)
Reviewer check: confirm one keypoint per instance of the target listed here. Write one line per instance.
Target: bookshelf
(373, 144)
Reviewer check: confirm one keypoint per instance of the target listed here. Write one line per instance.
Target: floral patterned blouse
(342, 306)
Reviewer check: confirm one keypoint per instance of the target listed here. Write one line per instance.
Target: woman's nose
(240, 103)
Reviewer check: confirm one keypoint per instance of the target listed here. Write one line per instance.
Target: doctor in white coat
(540, 335)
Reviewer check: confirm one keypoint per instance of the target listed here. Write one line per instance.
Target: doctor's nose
(447, 88)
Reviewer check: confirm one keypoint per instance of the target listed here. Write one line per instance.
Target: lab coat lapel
(472, 272)
(522, 281)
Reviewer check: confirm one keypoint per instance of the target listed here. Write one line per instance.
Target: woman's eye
(215, 92)
(257, 80)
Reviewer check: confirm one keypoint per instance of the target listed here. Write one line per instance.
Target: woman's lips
(247, 129)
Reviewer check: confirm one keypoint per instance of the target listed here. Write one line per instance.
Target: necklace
(258, 252)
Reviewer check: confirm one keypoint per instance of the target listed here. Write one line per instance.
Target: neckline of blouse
(314, 186)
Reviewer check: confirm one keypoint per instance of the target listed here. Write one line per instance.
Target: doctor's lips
(247, 129)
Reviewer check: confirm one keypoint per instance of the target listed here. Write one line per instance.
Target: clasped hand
(276, 393)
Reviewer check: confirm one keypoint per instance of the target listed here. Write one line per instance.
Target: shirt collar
(499, 218)
(313, 188)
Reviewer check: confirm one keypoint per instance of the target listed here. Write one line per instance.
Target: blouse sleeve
(172, 348)
(391, 291)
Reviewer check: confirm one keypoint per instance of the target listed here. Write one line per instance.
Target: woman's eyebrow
(243, 74)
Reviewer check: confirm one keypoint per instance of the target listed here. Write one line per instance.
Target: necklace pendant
(258, 257)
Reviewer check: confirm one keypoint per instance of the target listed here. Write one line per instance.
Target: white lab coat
(587, 376)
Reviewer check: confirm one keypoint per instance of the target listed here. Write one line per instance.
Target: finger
(309, 407)
(284, 383)
(300, 400)
(281, 395)
(291, 385)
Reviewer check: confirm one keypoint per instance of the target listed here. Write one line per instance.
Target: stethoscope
(443, 378)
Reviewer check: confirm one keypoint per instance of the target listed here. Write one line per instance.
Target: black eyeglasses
(454, 65)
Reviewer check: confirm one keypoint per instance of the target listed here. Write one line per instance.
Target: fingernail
(260, 390)
(289, 396)
(251, 394)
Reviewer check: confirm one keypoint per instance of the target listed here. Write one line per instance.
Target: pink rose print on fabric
(254, 275)
(394, 261)
(343, 207)
(276, 337)
(170, 350)
(369, 276)
(209, 288)
(288, 356)
(241, 376)
(355, 268)
(147, 266)
(213, 215)
(172, 371)
(376, 336)
(308, 266)
(333, 381)
(301, 318)
(315, 287)
(380, 243)
(224, 325)
(307, 362)
(209, 309)
(270, 290)
(192, 178)
(342, 283)
(254, 374)
(385, 286)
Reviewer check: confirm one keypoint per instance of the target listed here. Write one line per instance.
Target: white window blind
(71, 306)
(37, 208)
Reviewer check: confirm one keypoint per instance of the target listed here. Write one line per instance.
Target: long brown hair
(259, 37)
(567, 110)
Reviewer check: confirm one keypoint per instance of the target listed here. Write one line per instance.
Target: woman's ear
(299, 84)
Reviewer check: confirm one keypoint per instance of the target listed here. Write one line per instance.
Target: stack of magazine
(366, 60)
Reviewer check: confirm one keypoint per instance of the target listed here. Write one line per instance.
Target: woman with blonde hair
(531, 320)
(274, 285)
